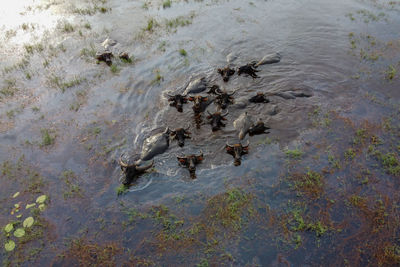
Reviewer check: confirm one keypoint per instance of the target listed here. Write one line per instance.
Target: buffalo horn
(227, 144)
(231, 94)
(223, 115)
(143, 168)
(123, 164)
(248, 143)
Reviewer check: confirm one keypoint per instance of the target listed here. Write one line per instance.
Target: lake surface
(321, 188)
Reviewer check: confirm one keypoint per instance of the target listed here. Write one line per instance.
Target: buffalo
(258, 128)
(259, 98)
(154, 145)
(248, 69)
(226, 73)
(190, 162)
(177, 101)
(237, 150)
(105, 56)
(216, 120)
(131, 171)
(200, 103)
(224, 98)
(180, 134)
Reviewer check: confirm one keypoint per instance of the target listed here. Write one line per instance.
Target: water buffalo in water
(200, 103)
(224, 98)
(226, 73)
(259, 98)
(258, 128)
(196, 86)
(105, 56)
(237, 150)
(248, 69)
(268, 59)
(213, 90)
(177, 101)
(190, 162)
(154, 145)
(216, 120)
(180, 134)
(131, 171)
(243, 124)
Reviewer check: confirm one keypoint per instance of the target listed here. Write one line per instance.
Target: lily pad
(28, 222)
(19, 216)
(9, 227)
(42, 207)
(20, 232)
(15, 195)
(28, 206)
(41, 199)
(9, 246)
(17, 206)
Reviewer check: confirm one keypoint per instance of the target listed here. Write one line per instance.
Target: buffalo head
(213, 90)
(248, 69)
(237, 150)
(216, 120)
(106, 56)
(190, 162)
(177, 101)
(259, 98)
(180, 134)
(226, 73)
(199, 103)
(131, 171)
(224, 98)
(258, 128)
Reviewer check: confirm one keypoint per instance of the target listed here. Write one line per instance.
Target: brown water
(319, 189)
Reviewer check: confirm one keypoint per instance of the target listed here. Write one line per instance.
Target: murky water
(319, 189)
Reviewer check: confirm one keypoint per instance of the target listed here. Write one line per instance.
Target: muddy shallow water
(319, 189)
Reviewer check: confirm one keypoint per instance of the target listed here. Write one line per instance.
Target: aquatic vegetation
(151, 24)
(30, 229)
(10, 87)
(180, 21)
(294, 154)
(114, 68)
(73, 189)
(158, 77)
(182, 52)
(228, 209)
(86, 253)
(309, 183)
(349, 154)
(390, 161)
(47, 138)
(391, 72)
(167, 4)
(57, 81)
(121, 189)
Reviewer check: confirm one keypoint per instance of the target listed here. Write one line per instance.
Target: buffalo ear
(209, 117)
(219, 71)
(191, 98)
(199, 158)
(231, 72)
(184, 100)
(182, 160)
(205, 98)
(228, 148)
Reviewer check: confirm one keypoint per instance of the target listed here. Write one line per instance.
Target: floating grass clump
(167, 4)
(309, 184)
